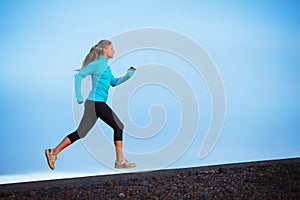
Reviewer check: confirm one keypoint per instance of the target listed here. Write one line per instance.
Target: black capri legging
(92, 111)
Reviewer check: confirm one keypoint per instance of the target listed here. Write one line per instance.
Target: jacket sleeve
(117, 81)
(89, 69)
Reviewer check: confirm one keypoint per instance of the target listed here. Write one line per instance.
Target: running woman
(95, 64)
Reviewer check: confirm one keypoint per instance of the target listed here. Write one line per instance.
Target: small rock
(157, 192)
(30, 193)
(261, 164)
(223, 170)
(110, 183)
(251, 169)
(174, 188)
(122, 195)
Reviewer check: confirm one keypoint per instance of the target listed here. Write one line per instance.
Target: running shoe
(124, 164)
(51, 158)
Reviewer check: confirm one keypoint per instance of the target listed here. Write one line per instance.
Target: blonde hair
(95, 52)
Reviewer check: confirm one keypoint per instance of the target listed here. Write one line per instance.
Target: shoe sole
(120, 167)
(47, 153)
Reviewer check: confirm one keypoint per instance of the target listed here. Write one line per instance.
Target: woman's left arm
(117, 81)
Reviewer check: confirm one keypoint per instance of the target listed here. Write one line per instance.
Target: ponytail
(95, 53)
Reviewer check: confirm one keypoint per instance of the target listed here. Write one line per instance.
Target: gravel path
(277, 179)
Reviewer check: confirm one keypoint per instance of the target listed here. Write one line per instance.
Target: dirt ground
(275, 179)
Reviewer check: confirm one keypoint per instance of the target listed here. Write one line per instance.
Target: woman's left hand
(130, 68)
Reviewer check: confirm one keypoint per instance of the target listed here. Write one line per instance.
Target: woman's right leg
(63, 144)
(87, 122)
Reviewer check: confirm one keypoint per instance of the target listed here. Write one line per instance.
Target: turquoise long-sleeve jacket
(102, 79)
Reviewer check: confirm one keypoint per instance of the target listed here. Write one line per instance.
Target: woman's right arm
(89, 69)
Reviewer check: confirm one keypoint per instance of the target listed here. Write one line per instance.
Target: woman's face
(109, 51)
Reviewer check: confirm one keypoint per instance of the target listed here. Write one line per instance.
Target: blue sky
(254, 45)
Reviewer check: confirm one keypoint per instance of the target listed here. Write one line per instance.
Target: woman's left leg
(105, 113)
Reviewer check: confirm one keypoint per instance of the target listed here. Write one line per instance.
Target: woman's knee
(120, 126)
(73, 136)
